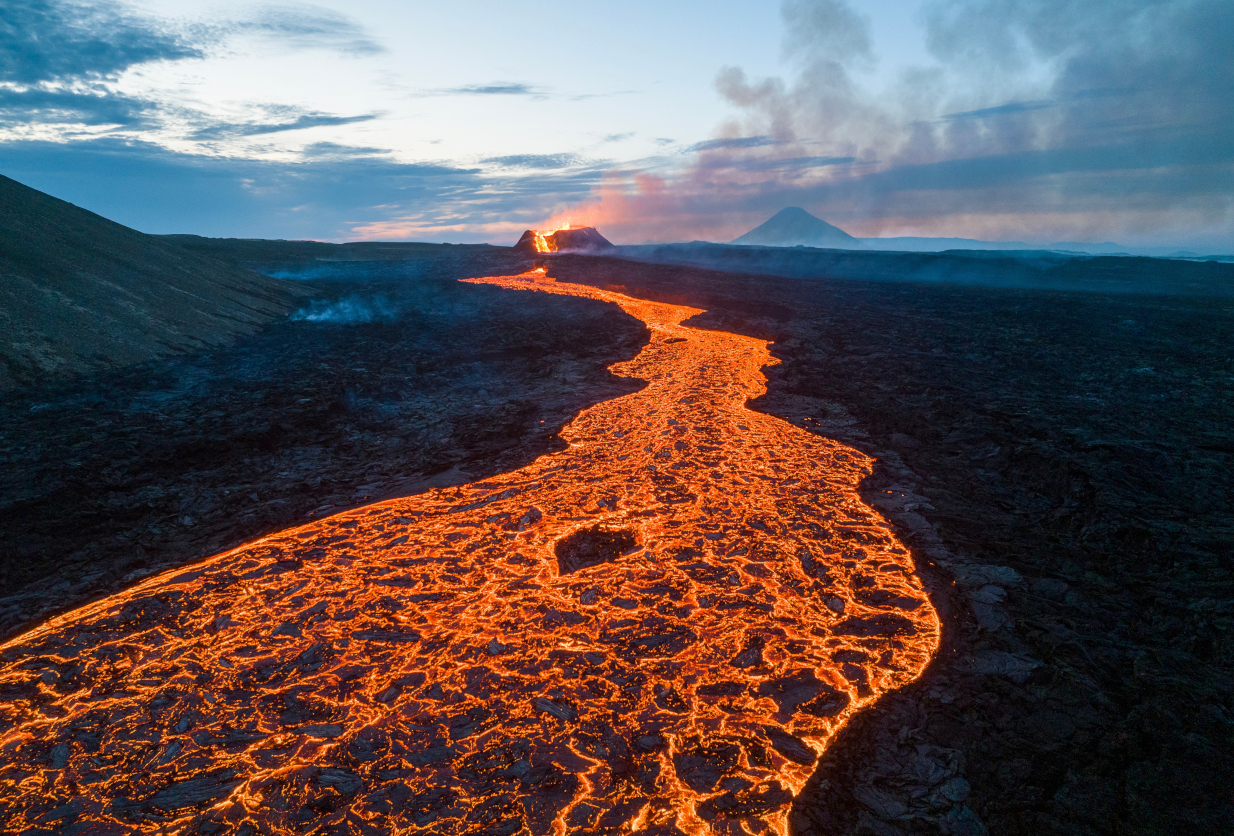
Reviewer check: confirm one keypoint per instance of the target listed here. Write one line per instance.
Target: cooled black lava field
(1059, 463)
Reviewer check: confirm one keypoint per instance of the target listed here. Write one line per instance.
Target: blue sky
(1038, 120)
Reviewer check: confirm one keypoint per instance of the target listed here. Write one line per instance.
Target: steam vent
(657, 630)
(579, 239)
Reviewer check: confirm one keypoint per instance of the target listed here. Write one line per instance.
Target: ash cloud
(1039, 120)
(1134, 126)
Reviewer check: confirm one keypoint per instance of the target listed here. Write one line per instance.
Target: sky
(1031, 120)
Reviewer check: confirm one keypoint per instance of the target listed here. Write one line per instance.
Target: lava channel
(656, 630)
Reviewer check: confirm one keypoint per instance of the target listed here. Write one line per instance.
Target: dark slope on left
(80, 293)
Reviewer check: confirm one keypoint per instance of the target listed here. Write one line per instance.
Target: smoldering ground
(377, 388)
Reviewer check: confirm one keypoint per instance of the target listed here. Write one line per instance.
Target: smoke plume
(1039, 120)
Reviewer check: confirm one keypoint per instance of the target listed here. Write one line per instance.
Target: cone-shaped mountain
(794, 226)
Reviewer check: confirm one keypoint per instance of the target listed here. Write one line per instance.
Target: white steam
(350, 311)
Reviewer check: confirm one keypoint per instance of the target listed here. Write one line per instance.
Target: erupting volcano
(656, 630)
(565, 238)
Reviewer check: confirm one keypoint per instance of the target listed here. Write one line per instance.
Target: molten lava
(656, 630)
(563, 238)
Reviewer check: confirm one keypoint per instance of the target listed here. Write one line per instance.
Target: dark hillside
(81, 293)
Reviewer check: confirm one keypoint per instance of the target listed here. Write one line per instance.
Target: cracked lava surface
(656, 630)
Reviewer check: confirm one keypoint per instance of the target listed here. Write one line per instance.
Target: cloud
(84, 105)
(622, 137)
(336, 151)
(1000, 110)
(1038, 118)
(311, 119)
(515, 88)
(52, 41)
(540, 161)
(60, 61)
(335, 192)
(301, 26)
(790, 163)
(735, 142)
(582, 97)
(47, 41)
(494, 89)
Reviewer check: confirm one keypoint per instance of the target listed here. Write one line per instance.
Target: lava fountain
(656, 630)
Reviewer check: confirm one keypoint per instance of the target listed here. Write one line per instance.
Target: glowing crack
(657, 630)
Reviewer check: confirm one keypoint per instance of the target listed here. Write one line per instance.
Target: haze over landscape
(705, 419)
(981, 119)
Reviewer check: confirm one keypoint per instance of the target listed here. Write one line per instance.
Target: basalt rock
(580, 240)
(1064, 462)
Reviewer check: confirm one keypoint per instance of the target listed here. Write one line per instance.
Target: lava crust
(657, 630)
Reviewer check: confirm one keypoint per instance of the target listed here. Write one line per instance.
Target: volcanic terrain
(80, 293)
(657, 629)
(1055, 455)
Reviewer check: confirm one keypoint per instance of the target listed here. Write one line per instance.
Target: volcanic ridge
(81, 293)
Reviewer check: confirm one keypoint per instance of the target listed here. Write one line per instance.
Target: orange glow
(544, 241)
(660, 627)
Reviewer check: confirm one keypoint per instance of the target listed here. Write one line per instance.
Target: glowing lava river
(656, 630)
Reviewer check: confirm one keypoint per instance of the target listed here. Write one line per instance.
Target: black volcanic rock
(1062, 466)
(579, 240)
(583, 240)
(796, 227)
(82, 293)
(592, 547)
(115, 475)
(527, 242)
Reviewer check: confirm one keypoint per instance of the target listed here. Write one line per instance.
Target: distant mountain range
(795, 227)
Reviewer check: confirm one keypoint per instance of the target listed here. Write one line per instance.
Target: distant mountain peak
(794, 227)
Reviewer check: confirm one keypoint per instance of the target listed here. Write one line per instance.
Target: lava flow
(656, 630)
